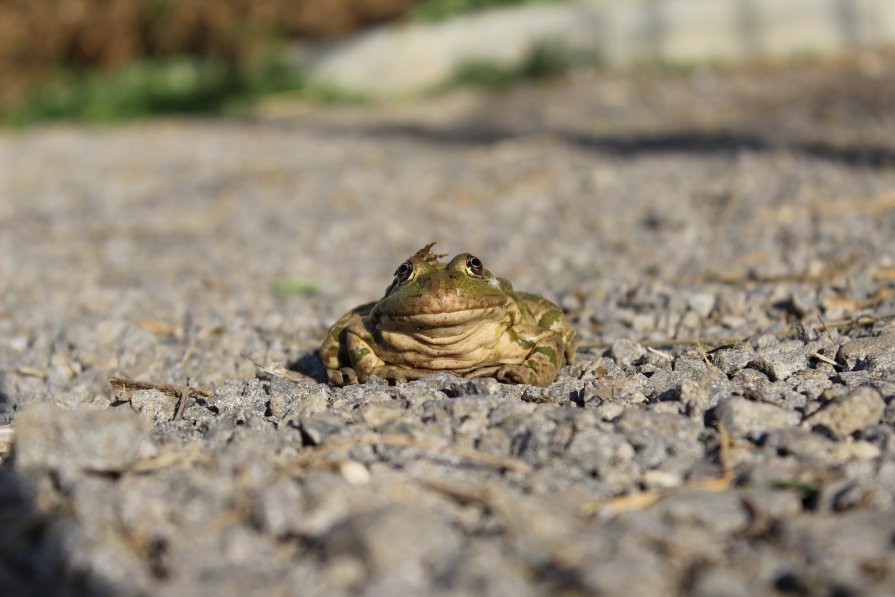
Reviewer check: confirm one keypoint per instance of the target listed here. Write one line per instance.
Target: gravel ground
(723, 242)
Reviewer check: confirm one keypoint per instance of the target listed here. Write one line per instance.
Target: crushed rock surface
(723, 242)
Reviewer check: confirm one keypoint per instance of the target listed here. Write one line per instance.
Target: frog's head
(428, 293)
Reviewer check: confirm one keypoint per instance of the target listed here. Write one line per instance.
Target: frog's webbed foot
(540, 366)
(516, 374)
(344, 376)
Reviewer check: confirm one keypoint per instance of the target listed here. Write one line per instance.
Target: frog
(454, 317)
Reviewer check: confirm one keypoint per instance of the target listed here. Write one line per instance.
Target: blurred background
(112, 60)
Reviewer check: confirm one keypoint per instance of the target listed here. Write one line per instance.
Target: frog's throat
(457, 340)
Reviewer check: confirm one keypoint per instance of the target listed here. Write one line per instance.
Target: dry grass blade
(659, 353)
(824, 359)
(182, 396)
(277, 370)
(160, 328)
(318, 454)
(31, 372)
(704, 356)
(169, 389)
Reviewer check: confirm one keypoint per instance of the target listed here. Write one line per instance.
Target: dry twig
(169, 389)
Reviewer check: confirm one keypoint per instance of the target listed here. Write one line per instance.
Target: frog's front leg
(334, 350)
(359, 348)
(540, 366)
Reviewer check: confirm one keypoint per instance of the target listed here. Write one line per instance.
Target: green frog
(455, 317)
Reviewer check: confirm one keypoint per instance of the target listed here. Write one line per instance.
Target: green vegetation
(544, 60)
(439, 10)
(296, 286)
(198, 80)
(141, 89)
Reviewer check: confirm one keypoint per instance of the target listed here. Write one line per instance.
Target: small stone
(855, 411)
(317, 427)
(454, 385)
(690, 322)
(872, 352)
(309, 404)
(18, 343)
(889, 414)
(609, 410)
(379, 413)
(278, 507)
(723, 581)
(626, 352)
(600, 452)
(780, 365)
(643, 322)
(50, 438)
(155, 406)
(743, 417)
(701, 303)
(399, 542)
(803, 301)
(734, 322)
(730, 360)
(695, 396)
(691, 364)
(770, 505)
(719, 512)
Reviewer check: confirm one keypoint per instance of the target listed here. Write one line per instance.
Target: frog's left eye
(404, 272)
(474, 266)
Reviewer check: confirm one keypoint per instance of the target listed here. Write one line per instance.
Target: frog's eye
(404, 271)
(474, 266)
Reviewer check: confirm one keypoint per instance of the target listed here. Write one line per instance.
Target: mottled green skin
(455, 317)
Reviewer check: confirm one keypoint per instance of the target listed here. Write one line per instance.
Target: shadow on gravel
(33, 558)
(310, 364)
(693, 142)
(6, 409)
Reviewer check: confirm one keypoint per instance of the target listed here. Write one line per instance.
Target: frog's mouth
(442, 319)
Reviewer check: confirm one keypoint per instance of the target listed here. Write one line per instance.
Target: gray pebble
(780, 365)
(626, 352)
(843, 416)
(157, 407)
(701, 303)
(872, 352)
(743, 417)
(50, 438)
(691, 364)
(730, 360)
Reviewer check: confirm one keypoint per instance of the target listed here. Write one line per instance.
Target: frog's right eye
(404, 271)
